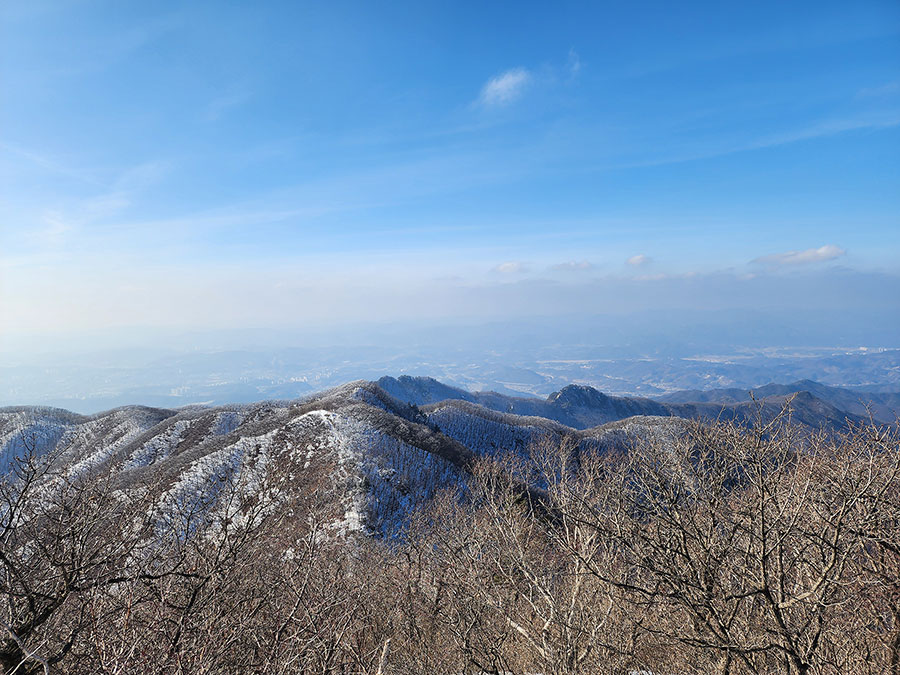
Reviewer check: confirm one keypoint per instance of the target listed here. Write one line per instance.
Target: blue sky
(185, 165)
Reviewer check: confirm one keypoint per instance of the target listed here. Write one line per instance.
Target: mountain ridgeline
(581, 407)
(383, 447)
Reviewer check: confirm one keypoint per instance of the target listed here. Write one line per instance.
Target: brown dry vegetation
(726, 550)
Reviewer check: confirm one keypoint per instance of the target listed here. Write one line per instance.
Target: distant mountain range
(883, 407)
(383, 446)
(581, 407)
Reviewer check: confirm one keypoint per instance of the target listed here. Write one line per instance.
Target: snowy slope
(370, 457)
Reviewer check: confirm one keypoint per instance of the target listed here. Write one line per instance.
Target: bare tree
(64, 539)
(750, 548)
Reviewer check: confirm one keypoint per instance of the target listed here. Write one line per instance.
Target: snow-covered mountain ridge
(368, 445)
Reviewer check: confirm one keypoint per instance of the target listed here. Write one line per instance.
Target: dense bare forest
(724, 549)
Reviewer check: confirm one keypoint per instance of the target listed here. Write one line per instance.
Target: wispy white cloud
(55, 228)
(572, 266)
(810, 255)
(638, 260)
(230, 98)
(573, 63)
(831, 128)
(511, 267)
(505, 88)
(887, 89)
(48, 163)
(823, 129)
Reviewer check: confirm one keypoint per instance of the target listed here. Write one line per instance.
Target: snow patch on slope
(483, 435)
(237, 469)
(226, 422)
(159, 447)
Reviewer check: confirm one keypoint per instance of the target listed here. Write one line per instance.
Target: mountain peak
(578, 395)
(421, 390)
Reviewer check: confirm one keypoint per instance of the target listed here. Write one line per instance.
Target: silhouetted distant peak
(578, 395)
(421, 390)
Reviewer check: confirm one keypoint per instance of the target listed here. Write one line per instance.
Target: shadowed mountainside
(883, 406)
(582, 407)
